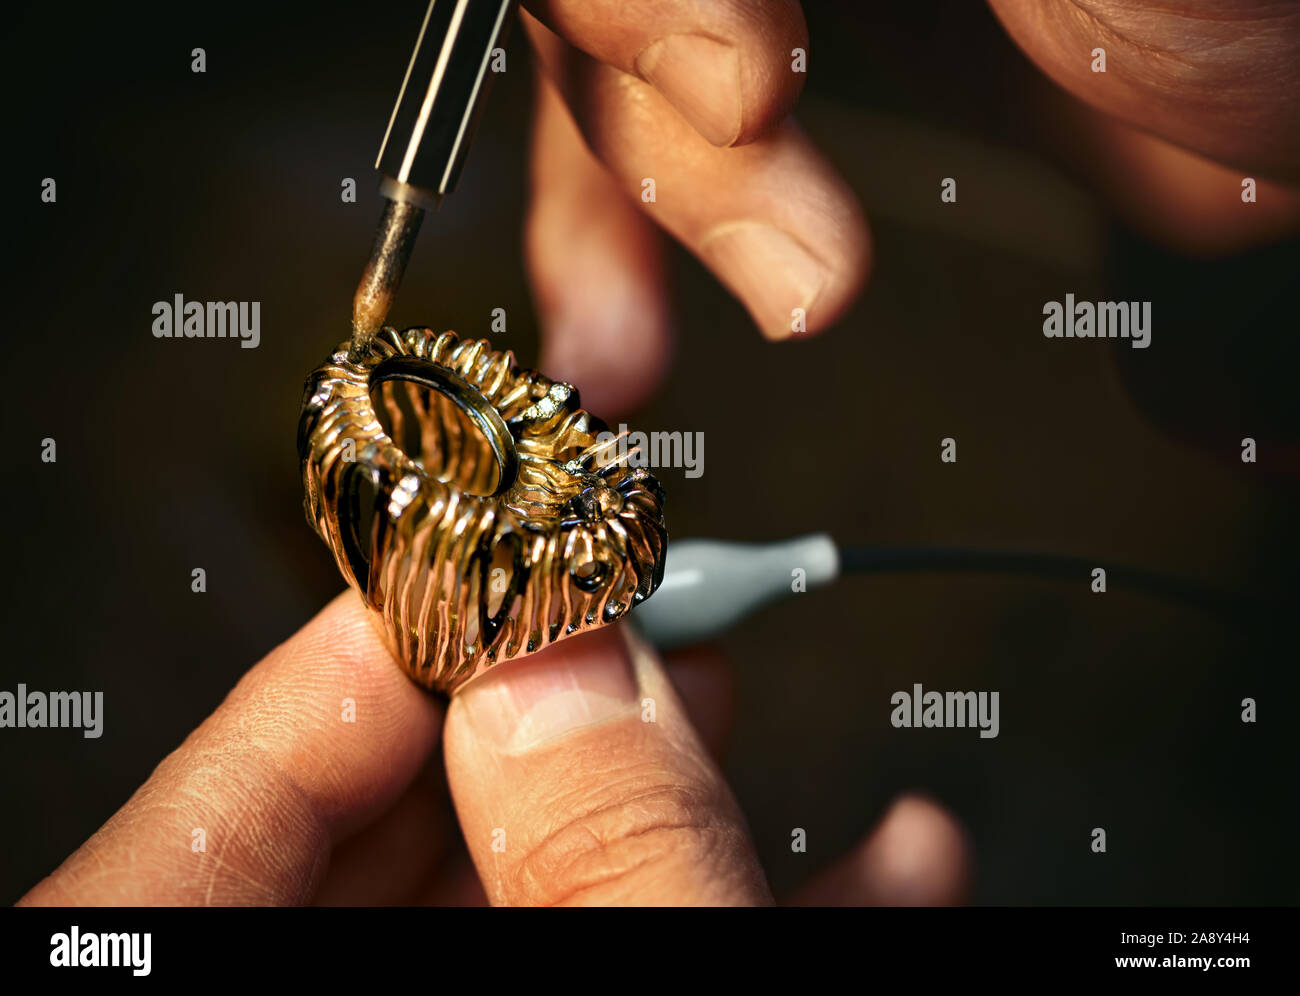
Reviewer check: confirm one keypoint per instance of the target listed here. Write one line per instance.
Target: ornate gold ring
(471, 503)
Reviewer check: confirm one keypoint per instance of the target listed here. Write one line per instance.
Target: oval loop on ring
(438, 378)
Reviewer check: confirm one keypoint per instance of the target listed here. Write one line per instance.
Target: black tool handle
(441, 97)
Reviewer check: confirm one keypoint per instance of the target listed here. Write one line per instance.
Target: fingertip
(773, 71)
(799, 270)
(919, 855)
(578, 779)
(772, 219)
(331, 712)
(849, 272)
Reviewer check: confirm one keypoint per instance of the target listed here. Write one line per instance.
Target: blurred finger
(1176, 197)
(595, 264)
(918, 855)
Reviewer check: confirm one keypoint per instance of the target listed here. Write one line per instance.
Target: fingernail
(522, 705)
(771, 273)
(701, 78)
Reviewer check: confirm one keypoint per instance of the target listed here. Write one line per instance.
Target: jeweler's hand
(687, 100)
(681, 120)
(582, 774)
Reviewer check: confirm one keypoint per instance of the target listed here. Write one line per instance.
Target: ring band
(471, 503)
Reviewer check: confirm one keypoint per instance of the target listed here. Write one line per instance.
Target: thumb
(579, 780)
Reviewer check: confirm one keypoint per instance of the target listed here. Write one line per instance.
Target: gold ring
(471, 503)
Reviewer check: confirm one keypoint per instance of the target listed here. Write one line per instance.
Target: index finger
(314, 741)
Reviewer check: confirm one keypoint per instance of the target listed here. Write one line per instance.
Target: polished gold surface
(470, 502)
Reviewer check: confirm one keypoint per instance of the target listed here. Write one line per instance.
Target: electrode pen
(425, 144)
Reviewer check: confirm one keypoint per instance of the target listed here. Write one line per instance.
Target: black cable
(892, 560)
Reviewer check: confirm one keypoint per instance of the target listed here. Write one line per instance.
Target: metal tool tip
(383, 273)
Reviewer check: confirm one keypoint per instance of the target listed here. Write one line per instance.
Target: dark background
(1117, 710)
